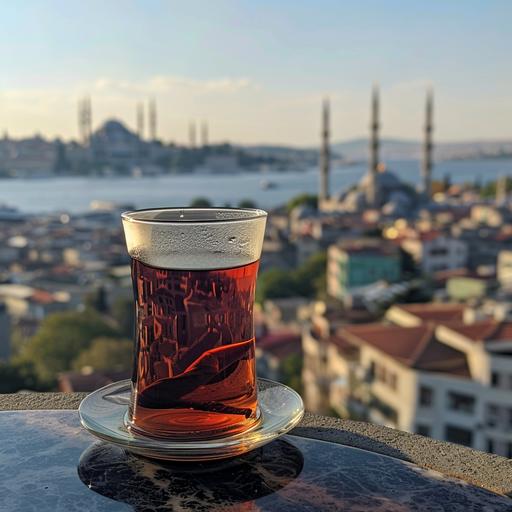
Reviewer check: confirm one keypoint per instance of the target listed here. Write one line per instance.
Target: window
(458, 435)
(380, 373)
(426, 396)
(438, 251)
(495, 379)
(423, 430)
(371, 370)
(461, 403)
(393, 380)
(492, 415)
(490, 445)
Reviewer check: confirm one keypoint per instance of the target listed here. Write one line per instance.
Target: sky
(257, 70)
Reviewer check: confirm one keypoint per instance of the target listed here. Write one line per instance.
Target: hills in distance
(355, 150)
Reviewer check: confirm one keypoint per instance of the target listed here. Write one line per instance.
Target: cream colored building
(434, 252)
(504, 269)
(424, 371)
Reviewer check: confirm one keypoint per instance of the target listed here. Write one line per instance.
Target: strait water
(75, 194)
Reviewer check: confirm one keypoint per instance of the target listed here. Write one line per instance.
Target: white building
(434, 251)
(26, 302)
(437, 377)
(504, 269)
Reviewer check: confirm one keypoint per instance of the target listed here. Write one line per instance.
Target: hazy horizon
(258, 72)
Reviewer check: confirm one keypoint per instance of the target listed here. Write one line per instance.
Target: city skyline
(258, 73)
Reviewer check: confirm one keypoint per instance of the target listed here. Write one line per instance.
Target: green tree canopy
(97, 299)
(247, 203)
(291, 372)
(106, 354)
(310, 276)
(59, 340)
(200, 202)
(308, 280)
(17, 376)
(123, 312)
(489, 189)
(275, 283)
(302, 199)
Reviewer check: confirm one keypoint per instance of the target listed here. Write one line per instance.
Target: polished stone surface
(48, 463)
(485, 470)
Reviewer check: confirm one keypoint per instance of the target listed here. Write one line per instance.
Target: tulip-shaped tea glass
(194, 276)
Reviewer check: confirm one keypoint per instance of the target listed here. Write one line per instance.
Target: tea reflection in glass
(194, 276)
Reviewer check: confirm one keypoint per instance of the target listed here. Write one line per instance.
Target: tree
(200, 202)
(247, 203)
(291, 372)
(407, 264)
(275, 283)
(106, 353)
(60, 338)
(97, 299)
(310, 276)
(17, 376)
(123, 312)
(302, 199)
(308, 280)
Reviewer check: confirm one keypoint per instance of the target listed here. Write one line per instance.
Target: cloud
(53, 110)
(162, 84)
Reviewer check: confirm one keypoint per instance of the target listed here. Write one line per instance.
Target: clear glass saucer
(103, 414)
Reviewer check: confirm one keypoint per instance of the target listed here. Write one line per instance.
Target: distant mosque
(378, 189)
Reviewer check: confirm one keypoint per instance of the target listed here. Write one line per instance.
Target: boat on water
(267, 184)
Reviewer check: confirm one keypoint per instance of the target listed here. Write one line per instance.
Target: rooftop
(484, 330)
(281, 343)
(416, 347)
(372, 247)
(435, 312)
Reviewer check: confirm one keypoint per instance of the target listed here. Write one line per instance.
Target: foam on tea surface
(195, 238)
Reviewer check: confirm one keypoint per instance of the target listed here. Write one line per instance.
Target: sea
(75, 194)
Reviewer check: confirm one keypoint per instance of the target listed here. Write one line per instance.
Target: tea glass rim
(131, 215)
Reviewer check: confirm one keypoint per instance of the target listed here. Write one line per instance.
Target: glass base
(217, 430)
(104, 412)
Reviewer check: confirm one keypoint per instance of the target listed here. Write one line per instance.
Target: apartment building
(357, 263)
(434, 251)
(504, 269)
(424, 370)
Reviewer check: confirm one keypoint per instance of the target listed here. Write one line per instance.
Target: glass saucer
(103, 414)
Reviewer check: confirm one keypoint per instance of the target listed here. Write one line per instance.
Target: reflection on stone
(40, 451)
(147, 484)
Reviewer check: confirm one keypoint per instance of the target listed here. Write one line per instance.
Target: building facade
(359, 263)
(434, 252)
(425, 371)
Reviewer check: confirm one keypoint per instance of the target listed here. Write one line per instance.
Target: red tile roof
(439, 357)
(401, 343)
(441, 276)
(435, 312)
(42, 297)
(484, 330)
(280, 344)
(341, 342)
(368, 246)
(416, 347)
(427, 236)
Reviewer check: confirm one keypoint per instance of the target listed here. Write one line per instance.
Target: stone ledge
(489, 471)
